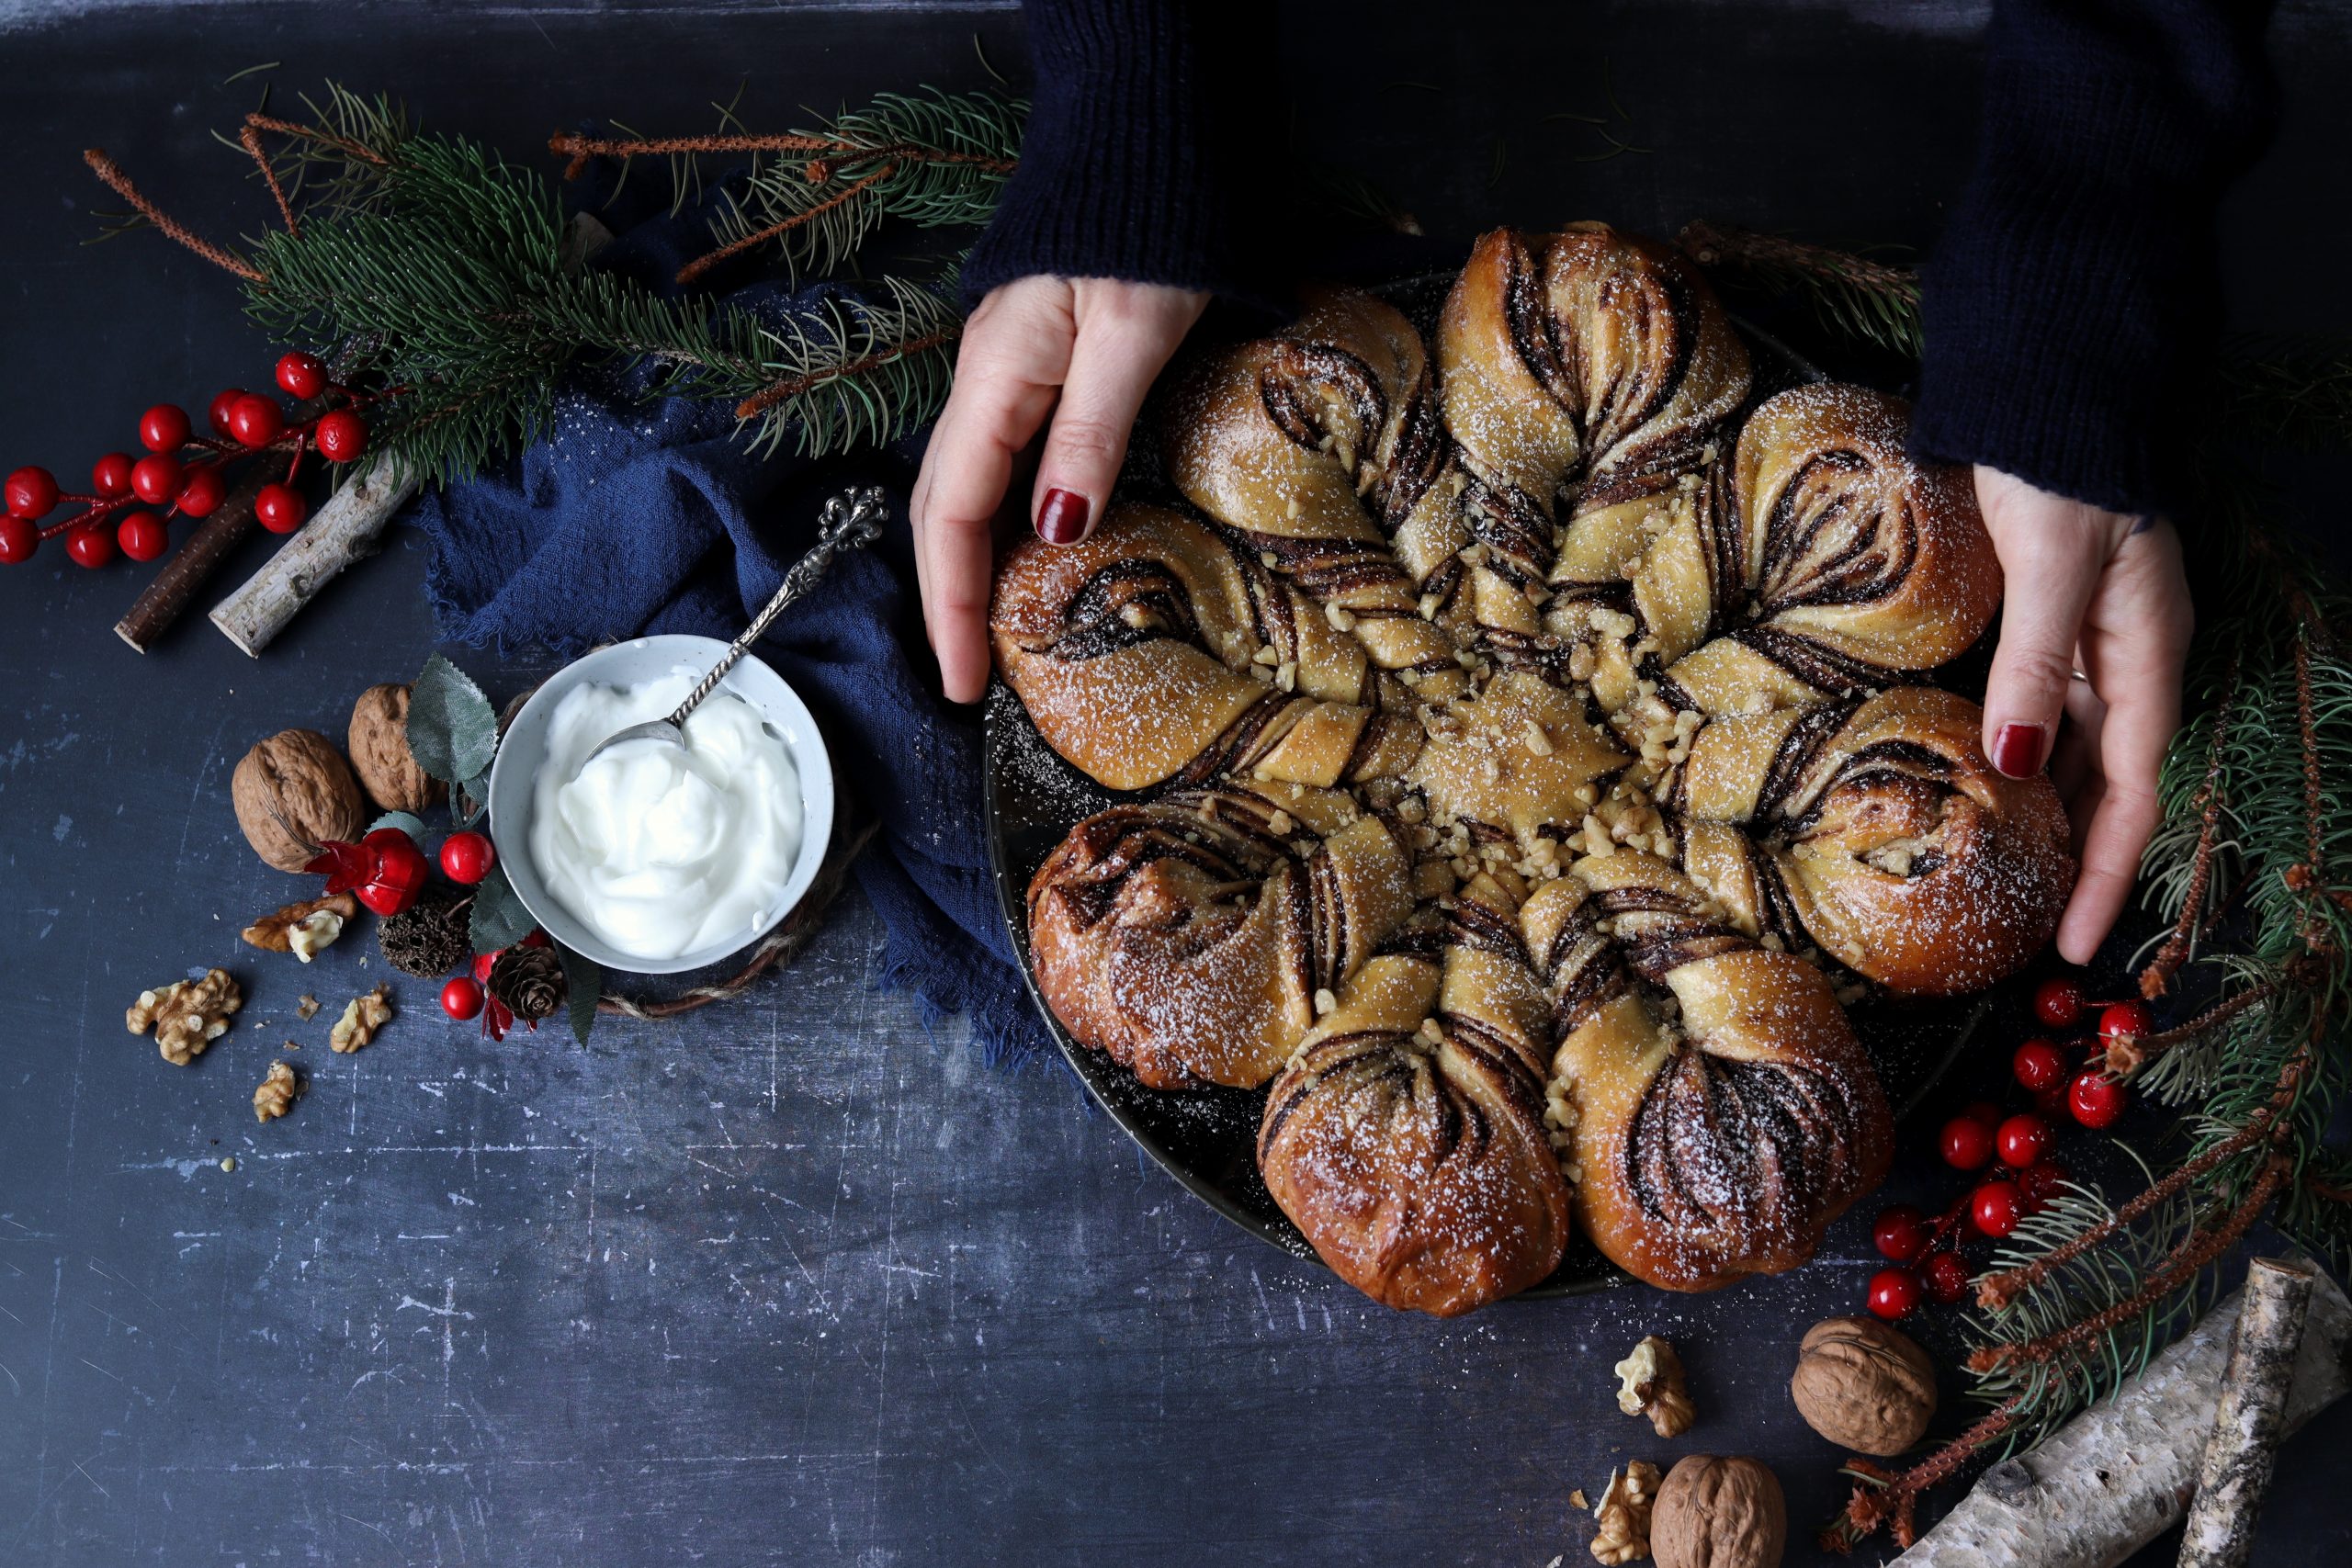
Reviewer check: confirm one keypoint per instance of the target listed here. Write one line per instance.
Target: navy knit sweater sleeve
(2074, 287)
(1124, 171)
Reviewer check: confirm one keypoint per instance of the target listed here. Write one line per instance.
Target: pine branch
(932, 159)
(1853, 296)
(450, 269)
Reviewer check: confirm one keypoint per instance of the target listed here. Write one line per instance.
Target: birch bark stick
(343, 531)
(2244, 1446)
(2119, 1475)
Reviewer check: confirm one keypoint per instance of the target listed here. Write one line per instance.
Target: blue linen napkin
(636, 518)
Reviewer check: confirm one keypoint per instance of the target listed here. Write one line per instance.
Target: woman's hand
(1083, 349)
(2103, 594)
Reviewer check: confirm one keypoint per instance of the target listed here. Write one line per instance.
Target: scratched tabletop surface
(801, 1280)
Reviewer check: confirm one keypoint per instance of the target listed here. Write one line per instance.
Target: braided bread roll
(1876, 832)
(1154, 649)
(1590, 368)
(1406, 1138)
(1189, 936)
(1826, 563)
(1321, 451)
(1713, 1108)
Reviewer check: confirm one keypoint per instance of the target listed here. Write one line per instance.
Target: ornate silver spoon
(850, 520)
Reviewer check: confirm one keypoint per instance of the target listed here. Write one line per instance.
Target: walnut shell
(379, 753)
(292, 791)
(1863, 1385)
(1719, 1513)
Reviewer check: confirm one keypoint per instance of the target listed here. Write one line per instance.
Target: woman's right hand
(1084, 350)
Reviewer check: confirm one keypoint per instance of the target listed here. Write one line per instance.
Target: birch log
(2119, 1475)
(343, 531)
(2243, 1447)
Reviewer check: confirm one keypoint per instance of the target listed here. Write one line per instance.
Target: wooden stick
(343, 531)
(2244, 1446)
(2119, 1475)
(199, 555)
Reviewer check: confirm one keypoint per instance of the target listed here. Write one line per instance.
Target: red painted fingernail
(2017, 749)
(1062, 519)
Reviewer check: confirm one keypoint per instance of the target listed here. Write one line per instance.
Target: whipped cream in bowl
(655, 858)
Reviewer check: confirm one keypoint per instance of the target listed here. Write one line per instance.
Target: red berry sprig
(2009, 1155)
(183, 473)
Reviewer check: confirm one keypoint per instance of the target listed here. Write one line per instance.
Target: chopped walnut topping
(362, 1016)
(306, 1007)
(187, 1015)
(1651, 1380)
(1624, 1514)
(276, 1096)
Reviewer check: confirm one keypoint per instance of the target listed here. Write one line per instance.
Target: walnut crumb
(362, 1016)
(1653, 1386)
(187, 1015)
(306, 1007)
(276, 1096)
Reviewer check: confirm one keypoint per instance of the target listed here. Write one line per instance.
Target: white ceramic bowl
(524, 750)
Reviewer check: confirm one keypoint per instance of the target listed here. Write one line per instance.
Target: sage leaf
(500, 919)
(583, 980)
(452, 730)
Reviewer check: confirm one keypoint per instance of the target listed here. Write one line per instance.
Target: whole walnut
(379, 753)
(292, 791)
(1719, 1513)
(1863, 1385)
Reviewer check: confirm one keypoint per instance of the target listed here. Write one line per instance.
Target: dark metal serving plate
(1206, 1138)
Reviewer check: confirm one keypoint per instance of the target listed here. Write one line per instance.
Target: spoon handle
(850, 520)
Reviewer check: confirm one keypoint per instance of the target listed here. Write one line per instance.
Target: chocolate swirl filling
(1747, 1149)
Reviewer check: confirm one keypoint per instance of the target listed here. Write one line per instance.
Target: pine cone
(431, 936)
(529, 980)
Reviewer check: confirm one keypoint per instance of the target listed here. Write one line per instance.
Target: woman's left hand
(2095, 627)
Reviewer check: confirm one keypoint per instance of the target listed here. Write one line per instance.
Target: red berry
(255, 421)
(301, 375)
(2058, 1001)
(2039, 1065)
(91, 547)
(341, 436)
(19, 539)
(1984, 1110)
(1967, 1143)
(395, 870)
(2125, 1021)
(467, 857)
(31, 492)
(202, 495)
(110, 475)
(143, 535)
(2039, 1182)
(461, 997)
(280, 508)
(218, 414)
(1901, 1233)
(1894, 1292)
(1946, 1274)
(163, 428)
(156, 479)
(1995, 1207)
(2096, 1099)
(2022, 1140)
